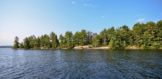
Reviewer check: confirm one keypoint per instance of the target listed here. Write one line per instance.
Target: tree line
(142, 35)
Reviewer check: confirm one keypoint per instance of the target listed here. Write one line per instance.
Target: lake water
(80, 64)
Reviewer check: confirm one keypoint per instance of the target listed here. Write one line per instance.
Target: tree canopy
(142, 35)
(16, 42)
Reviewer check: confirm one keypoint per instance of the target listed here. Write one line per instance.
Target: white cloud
(141, 20)
(102, 16)
(85, 4)
(73, 2)
(89, 5)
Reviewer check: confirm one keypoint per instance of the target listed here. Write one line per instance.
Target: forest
(142, 35)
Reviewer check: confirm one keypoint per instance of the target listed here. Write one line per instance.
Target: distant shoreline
(5, 46)
(107, 48)
(87, 47)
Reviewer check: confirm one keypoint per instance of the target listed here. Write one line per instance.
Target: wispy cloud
(83, 3)
(141, 20)
(102, 16)
(73, 2)
(88, 5)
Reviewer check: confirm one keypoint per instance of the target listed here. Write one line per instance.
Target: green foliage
(104, 37)
(16, 42)
(45, 42)
(96, 41)
(143, 35)
(83, 35)
(118, 41)
(69, 40)
(81, 38)
(21, 45)
(76, 39)
(62, 41)
(89, 37)
(54, 40)
(27, 43)
(33, 42)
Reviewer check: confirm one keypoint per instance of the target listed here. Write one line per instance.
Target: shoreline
(88, 47)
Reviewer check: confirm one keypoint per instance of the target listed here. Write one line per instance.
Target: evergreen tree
(142, 35)
(69, 39)
(62, 41)
(83, 37)
(45, 42)
(96, 41)
(76, 39)
(54, 40)
(16, 42)
(104, 37)
(27, 43)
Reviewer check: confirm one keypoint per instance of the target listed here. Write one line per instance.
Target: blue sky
(27, 17)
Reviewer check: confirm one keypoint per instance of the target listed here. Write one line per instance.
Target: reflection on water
(80, 64)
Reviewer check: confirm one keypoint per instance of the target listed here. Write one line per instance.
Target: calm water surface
(80, 64)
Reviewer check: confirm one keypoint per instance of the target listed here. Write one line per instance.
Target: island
(141, 36)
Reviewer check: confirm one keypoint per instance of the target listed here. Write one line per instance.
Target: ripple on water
(60, 64)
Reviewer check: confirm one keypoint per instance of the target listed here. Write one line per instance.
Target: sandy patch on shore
(88, 47)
